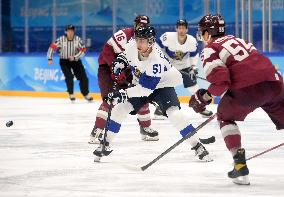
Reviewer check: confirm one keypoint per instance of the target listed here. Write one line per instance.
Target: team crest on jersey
(179, 55)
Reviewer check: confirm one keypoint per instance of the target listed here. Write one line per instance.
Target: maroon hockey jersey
(232, 63)
(115, 45)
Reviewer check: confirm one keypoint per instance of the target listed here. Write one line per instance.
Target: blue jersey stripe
(149, 82)
(170, 53)
(193, 54)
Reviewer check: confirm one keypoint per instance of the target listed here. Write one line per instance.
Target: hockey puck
(9, 123)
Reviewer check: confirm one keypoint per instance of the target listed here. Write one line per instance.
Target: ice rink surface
(45, 153)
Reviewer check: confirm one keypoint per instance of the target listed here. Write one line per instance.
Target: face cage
(151, 41)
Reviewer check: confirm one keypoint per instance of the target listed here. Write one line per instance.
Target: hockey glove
(118, 67)
(193, 71)
(197, 102)
(116, 97)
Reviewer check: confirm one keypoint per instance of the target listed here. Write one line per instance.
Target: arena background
(29, 26)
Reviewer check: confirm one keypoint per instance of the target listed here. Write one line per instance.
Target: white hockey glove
(116, 97)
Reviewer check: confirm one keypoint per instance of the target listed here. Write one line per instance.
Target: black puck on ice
(9, 123)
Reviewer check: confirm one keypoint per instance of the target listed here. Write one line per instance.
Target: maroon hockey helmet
(213, 24)
(141, 19)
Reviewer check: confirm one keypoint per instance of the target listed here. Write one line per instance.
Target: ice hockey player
(181, 49)
(154, 81)
(246, 79)
(107, 80)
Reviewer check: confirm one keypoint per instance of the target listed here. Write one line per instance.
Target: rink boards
(30, 75)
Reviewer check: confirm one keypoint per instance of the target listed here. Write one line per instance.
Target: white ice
(45, 153)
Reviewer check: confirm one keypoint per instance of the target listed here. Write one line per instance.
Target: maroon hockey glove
(197, 102)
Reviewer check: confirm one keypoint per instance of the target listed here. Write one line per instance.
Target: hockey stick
(108, 117)
(266, 151)
(178, 142)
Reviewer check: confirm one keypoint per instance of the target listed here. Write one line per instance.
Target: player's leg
(235, 106)
(144, 119)
(66, 69)
(168, 101)
(106, 86)
(118, 114)
(275, 107)
(229, 110)
(190, 83)
(80, 74)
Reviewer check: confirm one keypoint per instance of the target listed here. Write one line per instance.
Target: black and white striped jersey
(67, 48)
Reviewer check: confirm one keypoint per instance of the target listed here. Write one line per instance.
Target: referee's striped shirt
(67, 48)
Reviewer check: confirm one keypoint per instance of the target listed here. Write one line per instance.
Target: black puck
(9, 123)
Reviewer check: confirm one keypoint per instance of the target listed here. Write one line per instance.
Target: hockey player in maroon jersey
(246, 79)
(110, 51)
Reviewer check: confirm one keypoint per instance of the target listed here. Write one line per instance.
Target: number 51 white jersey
(156, 71)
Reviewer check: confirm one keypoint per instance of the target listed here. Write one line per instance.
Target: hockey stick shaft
(178, 143)
(266, 151)
(108, 117)
(201, 78)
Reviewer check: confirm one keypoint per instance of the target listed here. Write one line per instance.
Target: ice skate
(158, 114)
(102, 151)
(240, 173)
(149, 134)
(201, 152)
(89, 98)
(95, 135)
(206, 113)
(72, 98)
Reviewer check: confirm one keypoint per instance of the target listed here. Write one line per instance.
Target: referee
(71, 49)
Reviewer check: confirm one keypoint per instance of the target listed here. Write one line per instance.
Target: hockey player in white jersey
(181, 49)
(154, 81)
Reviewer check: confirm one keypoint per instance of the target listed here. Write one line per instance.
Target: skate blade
(241, 180)
(156, 117)
(147, 138)
(97, 159)
(206, 159)
(93, 141)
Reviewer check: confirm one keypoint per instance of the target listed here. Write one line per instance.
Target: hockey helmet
(141, 19)
(147, 32)
(213, 24)
(181, 22)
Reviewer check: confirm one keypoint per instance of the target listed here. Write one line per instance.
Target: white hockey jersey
(156, 71)
(181, 55)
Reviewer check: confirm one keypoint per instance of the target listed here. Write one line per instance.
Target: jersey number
(120, 37)
(157, 68)
(239, 52)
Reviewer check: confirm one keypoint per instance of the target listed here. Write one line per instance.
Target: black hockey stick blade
(209, 140)
(178, 142)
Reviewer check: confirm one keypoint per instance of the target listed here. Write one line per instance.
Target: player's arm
(216, 72)
(193, 54)
(163, 43)
(147, 84)
(82, 50)
(54, 46)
